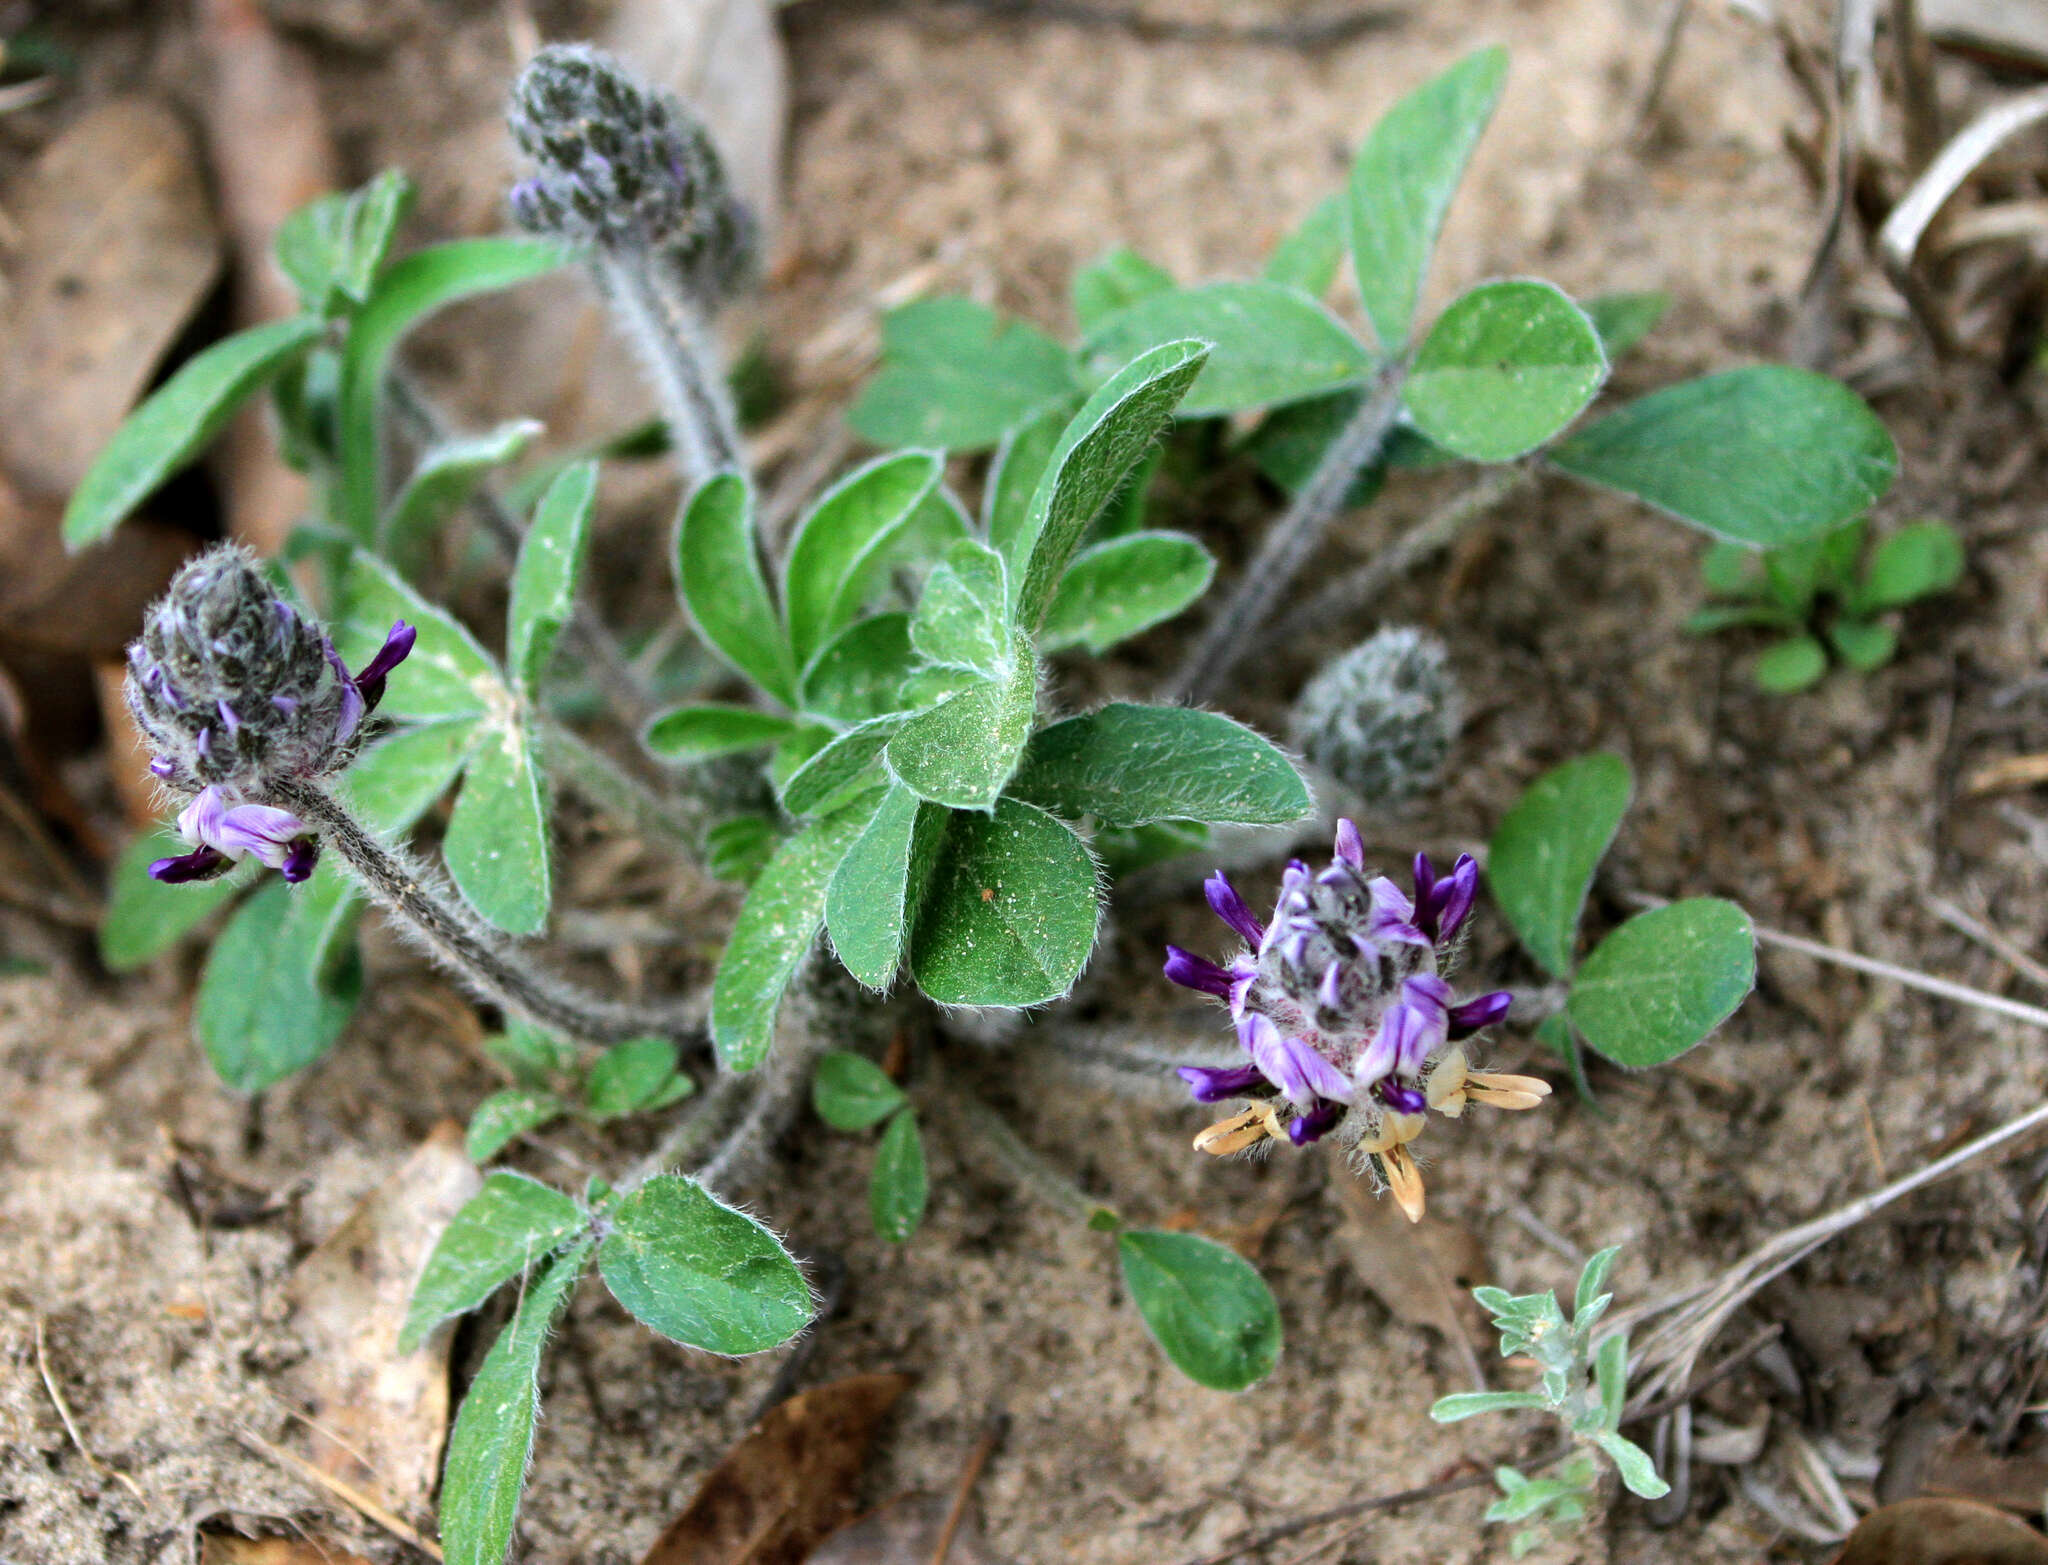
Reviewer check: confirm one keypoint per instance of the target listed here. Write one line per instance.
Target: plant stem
(667, 328)
(1288, 546)
(490, 963)
(706, 1121)
(678, 819)
(991, 1133)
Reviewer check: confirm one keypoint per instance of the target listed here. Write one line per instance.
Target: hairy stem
(1287, 548)
(494, 966)
(800, 1038)
(667, 329)
(988, 1132)
(698, 1128)
(679, 819)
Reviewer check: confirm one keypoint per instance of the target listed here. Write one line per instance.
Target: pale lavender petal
(228, 717)
(1290, 1064)
(272, 835)
(162, 766)
(1479, 1013)
(199, 821)
(1214, 1084)
(1229, 906)
(1330, 992)
(1350, 846)
(1196, 972)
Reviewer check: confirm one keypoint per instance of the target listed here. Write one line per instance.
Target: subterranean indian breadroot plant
(884, 755)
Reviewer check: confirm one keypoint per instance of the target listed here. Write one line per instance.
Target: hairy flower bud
(1382, 717)
(623, 166)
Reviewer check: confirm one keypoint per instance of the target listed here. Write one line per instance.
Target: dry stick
(1917, 96)
(353, 1497)
(70, 1426)
(1986, 936)
(993, 1428)
(1289, 544)
(402, 885)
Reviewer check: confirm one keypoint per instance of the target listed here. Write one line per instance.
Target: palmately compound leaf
(497, 843)
(1308, 258)
(718, 570)
(281, 981)
(1764, 456)
(851, 1092)
(1113, 282)
(1207, 1307)
(1130, 765)
(685, 1264)
(1503, 370)
(1122, 586)
(178, 421)
(447, 476)
(703, 733)
(898, 1188)
(398, 779)
(1270, 344)
(871, 904)
(492, 1440)
(822, 781)
(1544, 852)
(956, 374)
(448, 674)
(964, 751)
(1011, 913)
(784, 910)
(1097, 452)
(550, 562)
(511, 1224)
(333, 247)
(963, 616)
(838, 539)
(1403, 180)
(1664, 980)
(857, 674)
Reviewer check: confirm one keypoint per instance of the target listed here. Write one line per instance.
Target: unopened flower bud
(1381, 718)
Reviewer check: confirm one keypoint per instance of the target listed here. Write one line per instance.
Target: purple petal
(1330, 991)
(162, 766)
(1454, 897)
(1425, 882)
(271, 834)
(1290, 1064)
(199, 821)
(300, 858)
(1196, 972)
(1401, 1098)
(1473, 1015)
(1350, 846)
(228, 718)
(1392, 916)
(1227, 905)
(1212, 1084)
(397, 647)
(1315, 1124)
(200, 864)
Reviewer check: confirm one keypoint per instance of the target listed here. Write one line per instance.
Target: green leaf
(1269, 345)
(1096, 454)
(1730, 616)
(1205, 1305)
(739, 849)
(873, 897)
(1124, 850)
(1638, 1472)
(544, 580)
(492, 1440)
(629, 1076)
(821, 781)
(963, 617)
(497, 842)
(1115, 282)
(898, 1188)
(281, 981)
(1469, 1404)
(440, 486)
(1403, 181)
(1593, 1280)
(1914, 562)
(1863, 645)
(1528, 1499)
(851, 1092)
(838, 540)
(703, 733)
(447, 675)
(1765, 455)
(145, 917)
(1290, 442)
(506, 1227)
(1308, 258)
(1116, 589)
(397, 780)
(1503, 370)
(718, 568)
(504, 1117)
(1011, 913)
(1664, 980)
(336, 244)
(1624, 319)
(1610, 1375)
(690, 1267)
(780, 918)
(405, 295)
(533, 1055)
(1546, 848)
(1013, 477)
(1791, 666)
(1732, 570)
(958, 375)
(1130, 765)
(178, 421)
(856, 674)
(963, 751)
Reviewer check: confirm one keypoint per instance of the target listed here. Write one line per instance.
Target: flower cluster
(1382, 718)
(234, 689)
(622, 165)
(1345, 1014)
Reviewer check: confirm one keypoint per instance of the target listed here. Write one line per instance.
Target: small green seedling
(1584, 1386)
(1827, 596)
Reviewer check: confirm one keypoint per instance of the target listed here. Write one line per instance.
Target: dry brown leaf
(906, 1532)
(1420, 1271)
(117, 248)
(84, 605)
(1942, 1532)
(788, 1483)
(1964, 1468)
(227, 1548)
(379, 1415)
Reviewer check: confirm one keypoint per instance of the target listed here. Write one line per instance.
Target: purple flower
(222, 833)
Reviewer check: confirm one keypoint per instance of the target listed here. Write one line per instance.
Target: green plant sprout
(1584, 1386)
(1826, 595)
